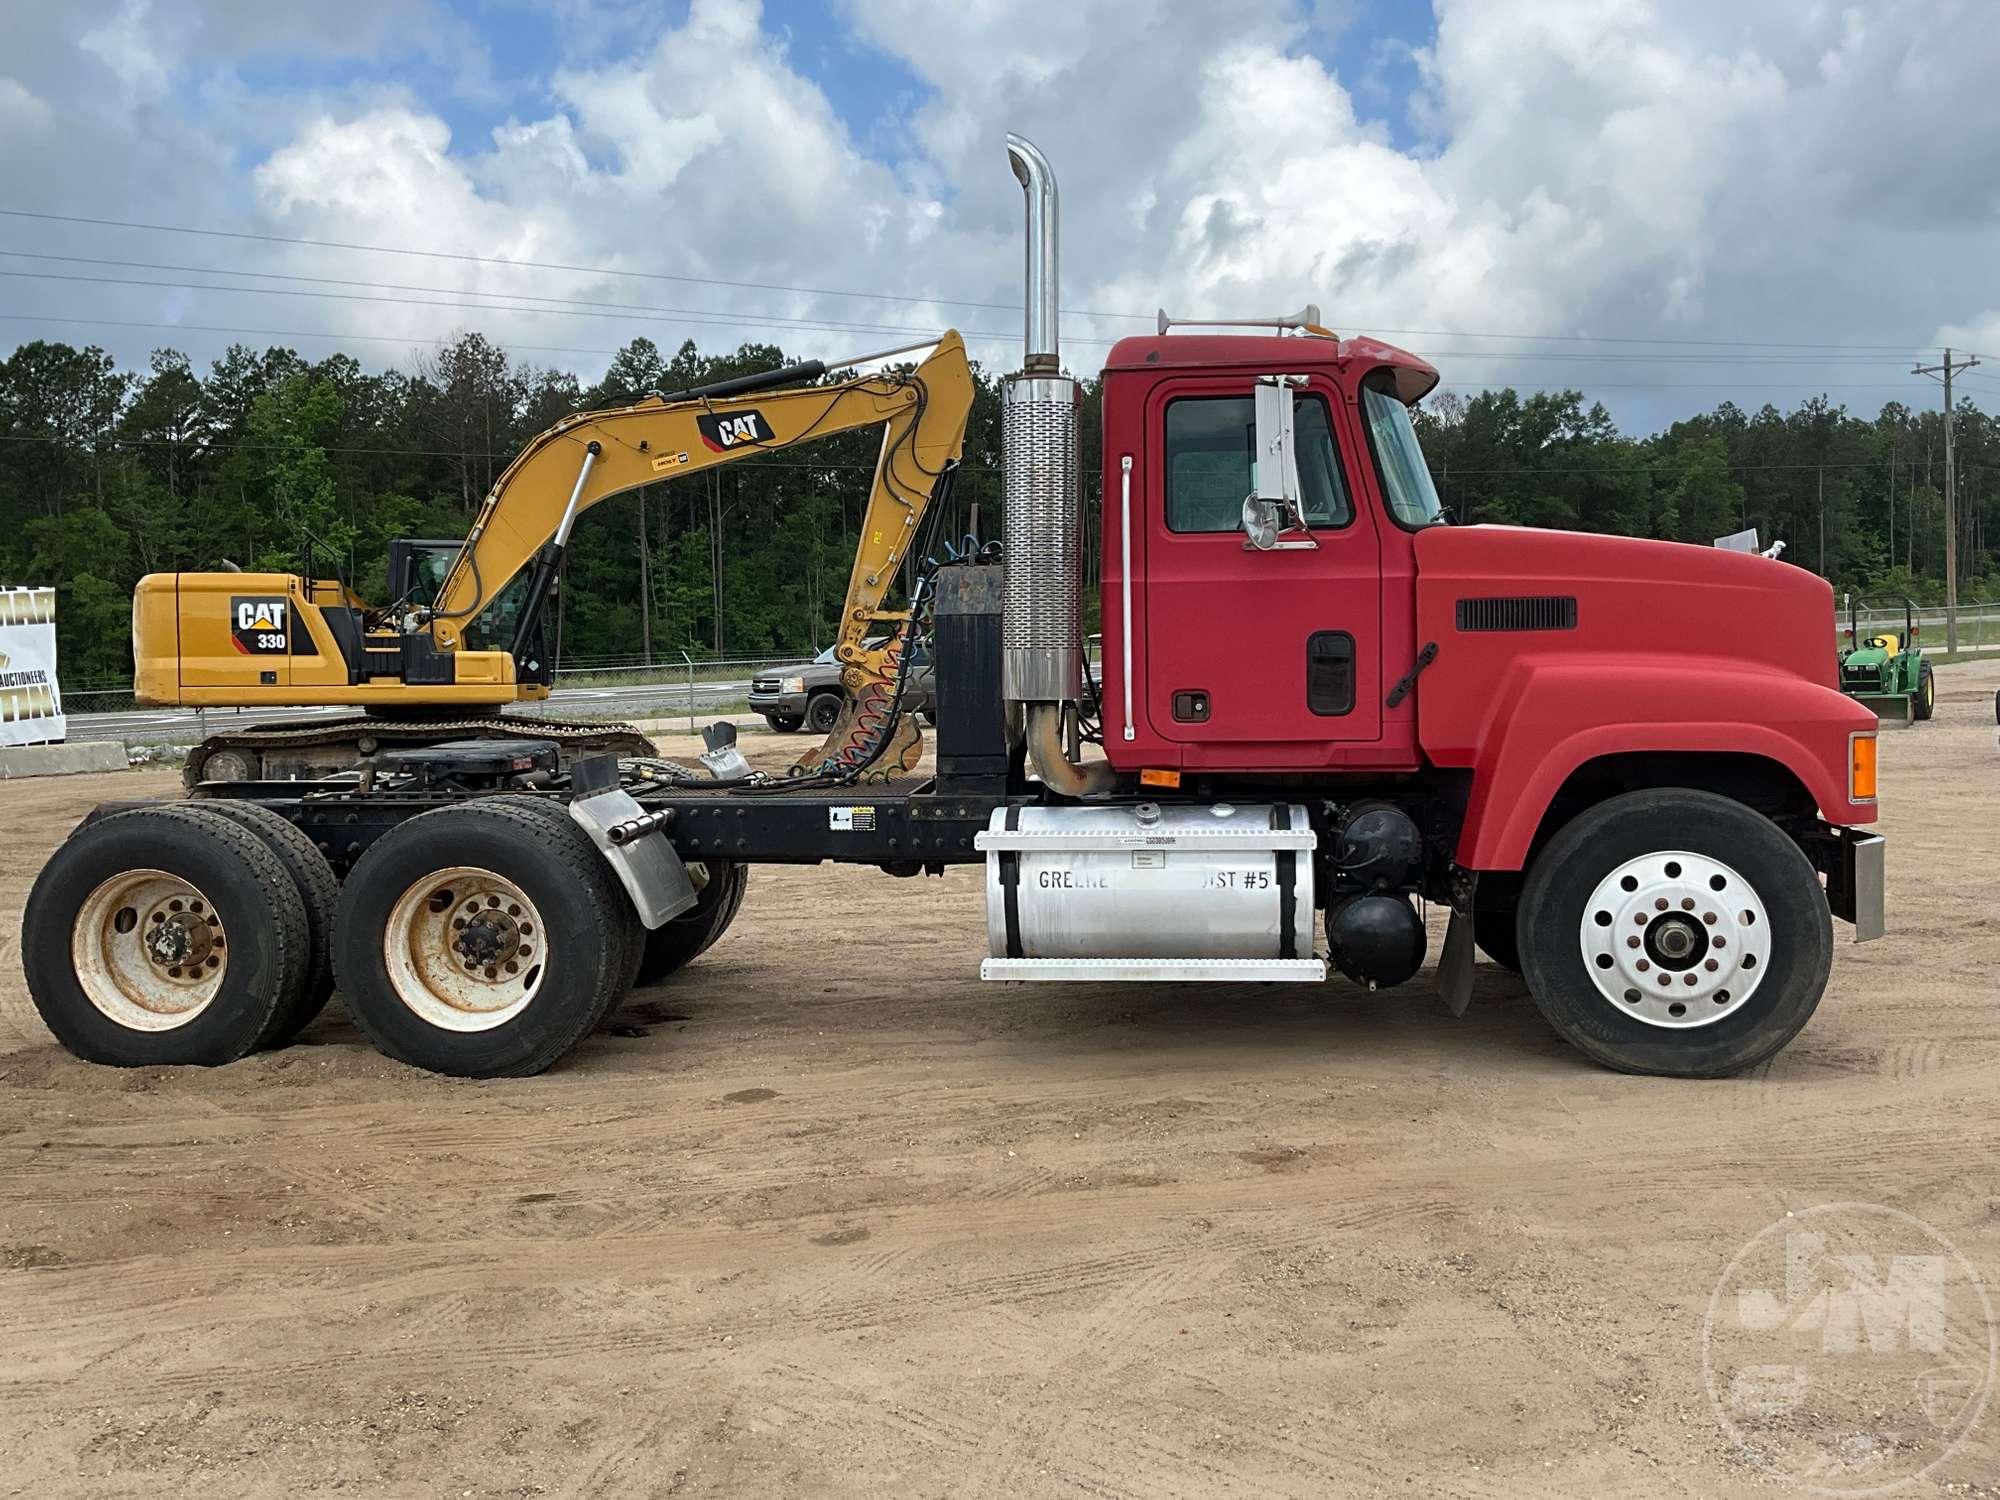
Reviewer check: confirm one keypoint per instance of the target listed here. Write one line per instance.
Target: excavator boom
(585, 460)
(269, 639)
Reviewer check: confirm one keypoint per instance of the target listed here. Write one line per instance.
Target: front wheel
(1675, 932)
(1926, 700)
(784, 723)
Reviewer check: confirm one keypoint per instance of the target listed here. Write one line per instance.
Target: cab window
(1209, 439)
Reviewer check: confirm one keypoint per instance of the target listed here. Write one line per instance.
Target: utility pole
(1945, 371)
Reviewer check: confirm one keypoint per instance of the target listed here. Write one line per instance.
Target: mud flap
(648, 867)
(1455, 964)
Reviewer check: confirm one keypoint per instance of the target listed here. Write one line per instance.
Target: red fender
(1551, 716)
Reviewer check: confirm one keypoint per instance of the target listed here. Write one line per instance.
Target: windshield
(1413, 499)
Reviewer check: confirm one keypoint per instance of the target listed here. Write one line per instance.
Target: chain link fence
(614, 687)
(607, 688)
(1978, 624)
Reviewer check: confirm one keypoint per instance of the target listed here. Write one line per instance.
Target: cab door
(1279, 651)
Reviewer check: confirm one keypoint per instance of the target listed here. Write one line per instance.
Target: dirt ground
(823, 1214)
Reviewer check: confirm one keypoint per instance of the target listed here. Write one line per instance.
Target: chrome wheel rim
(1675, 940)
(149, 950)
(465, 949)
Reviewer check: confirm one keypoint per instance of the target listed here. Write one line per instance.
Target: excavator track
(306, 747)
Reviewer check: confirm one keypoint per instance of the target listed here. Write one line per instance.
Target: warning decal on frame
(851, 819)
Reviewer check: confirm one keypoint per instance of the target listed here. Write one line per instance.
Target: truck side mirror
(1273, 505)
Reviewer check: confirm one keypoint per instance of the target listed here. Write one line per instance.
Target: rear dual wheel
(167, 935)
(318, 890)
(719, 886)
(482, 940)
(1675, 932)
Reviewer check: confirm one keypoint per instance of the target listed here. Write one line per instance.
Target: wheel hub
(464, 948)
(486, 939)
(1675, 939)
(1675, 942)
(149, 950)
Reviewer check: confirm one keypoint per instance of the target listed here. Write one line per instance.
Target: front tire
(784, 723)
(1675, 932)
(1925, 703)
(480, 940)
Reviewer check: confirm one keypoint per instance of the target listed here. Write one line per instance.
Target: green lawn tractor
(1885, 668)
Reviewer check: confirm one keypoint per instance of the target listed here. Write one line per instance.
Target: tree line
(270, 460)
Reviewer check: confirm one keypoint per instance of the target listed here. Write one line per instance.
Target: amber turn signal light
(1861, 766)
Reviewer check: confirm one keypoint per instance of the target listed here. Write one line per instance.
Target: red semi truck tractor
(1624, 767)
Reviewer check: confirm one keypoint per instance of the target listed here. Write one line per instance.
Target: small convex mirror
(1273, 504)
(1260, 523)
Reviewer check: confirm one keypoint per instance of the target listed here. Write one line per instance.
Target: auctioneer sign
(30, 704)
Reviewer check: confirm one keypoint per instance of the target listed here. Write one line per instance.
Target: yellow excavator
(461, 635)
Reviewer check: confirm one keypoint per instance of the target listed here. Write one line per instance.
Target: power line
(698, 320)
(725, 315)
(646, 312)
(534, 265)
(774, 462)
(298, 333)
(907, 299)
(518, 348)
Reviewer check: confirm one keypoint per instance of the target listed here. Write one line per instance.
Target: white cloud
(22, 112)
(1695, 169)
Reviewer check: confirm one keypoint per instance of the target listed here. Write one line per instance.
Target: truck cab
(1249, 659)
(1355, 632)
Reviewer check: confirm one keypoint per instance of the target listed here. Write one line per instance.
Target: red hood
(1635, 596)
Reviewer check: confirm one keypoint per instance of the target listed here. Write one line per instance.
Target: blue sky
(1370, 45)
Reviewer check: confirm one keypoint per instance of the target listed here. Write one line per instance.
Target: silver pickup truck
(810, 694)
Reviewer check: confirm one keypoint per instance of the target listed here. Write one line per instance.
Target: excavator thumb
(868, 714)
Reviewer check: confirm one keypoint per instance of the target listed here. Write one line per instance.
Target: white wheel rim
(149, 950)
(1675, 940)
(465, 949)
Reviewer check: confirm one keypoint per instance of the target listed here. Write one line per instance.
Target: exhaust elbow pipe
(1059, 773)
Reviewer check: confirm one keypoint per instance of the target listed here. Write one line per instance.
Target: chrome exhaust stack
(1041, 632)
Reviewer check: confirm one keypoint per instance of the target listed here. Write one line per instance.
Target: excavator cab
(418, 567)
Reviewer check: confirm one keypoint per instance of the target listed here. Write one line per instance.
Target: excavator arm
(525, 520)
